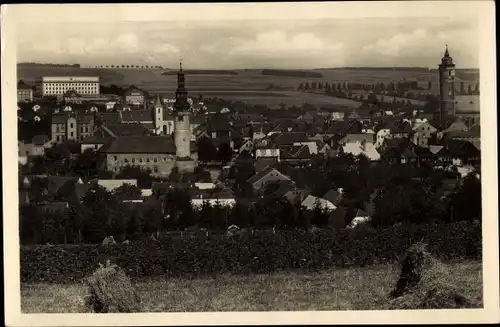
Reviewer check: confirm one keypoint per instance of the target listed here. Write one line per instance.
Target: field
(336, 289)
(246, 85)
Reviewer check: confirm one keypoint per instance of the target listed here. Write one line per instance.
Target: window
(147, 159)
(155, 169)
(154, 159)
(133, 160)
(126, 160)
(71, 134)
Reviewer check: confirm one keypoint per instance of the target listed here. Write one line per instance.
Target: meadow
(364, 288)
(250, 86)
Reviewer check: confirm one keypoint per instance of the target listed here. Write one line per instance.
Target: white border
(483, 10)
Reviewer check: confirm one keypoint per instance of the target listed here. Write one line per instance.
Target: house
(422, 133)
(295, 155)
(222, 196)
(233, 230)
(405, 151)
(337, 115)
(334, 196)
(400, 129)
(143, 117)
(135, 96)
(259, 130)
(102, 134)
(33, 147)
(457, 125)
(262, 178)
(294, 139)
(311, 202)
(24, 92)
(463, 152)
(156, 153)
(383, 132)
(71, 126)
(360, 144)
(108, 118)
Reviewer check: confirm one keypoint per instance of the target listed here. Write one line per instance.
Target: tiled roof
(136, 116)
(462, 148)
(288, 138)
(299, 152)
(109, 117)
(353, 138)
(127, 129)
(22, 86)
(139, 144)
(55, 183)
(258, 176)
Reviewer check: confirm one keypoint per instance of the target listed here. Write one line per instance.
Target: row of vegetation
(246, 253)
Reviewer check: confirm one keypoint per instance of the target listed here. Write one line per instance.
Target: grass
(337, 289)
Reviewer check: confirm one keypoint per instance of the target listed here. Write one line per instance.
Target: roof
(40, 139)
(333, 196)
(126, 129)
(109, 117)
(23, 86)
(136, 116)
(288, 138)
(467, 103)
(462, 148)
(353, 138)
(133, 88)
(258, 176)
(55, 183)
(140, 144)
(400, 127)
(299, 152)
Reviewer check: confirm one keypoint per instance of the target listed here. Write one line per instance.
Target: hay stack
(423, 283)
(111, 291)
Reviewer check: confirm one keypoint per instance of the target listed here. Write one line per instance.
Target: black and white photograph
(330, 160)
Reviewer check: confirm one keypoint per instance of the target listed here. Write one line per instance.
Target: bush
(246, 253)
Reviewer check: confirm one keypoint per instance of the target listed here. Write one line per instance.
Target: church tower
(158, 115)
(446, 88)
(182, 115)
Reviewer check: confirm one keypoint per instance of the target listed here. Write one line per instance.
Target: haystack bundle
(424, 283)
(111, 291)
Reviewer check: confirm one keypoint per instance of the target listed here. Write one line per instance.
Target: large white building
(58, 85)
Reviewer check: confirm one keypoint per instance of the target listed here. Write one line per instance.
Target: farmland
(251, 86)
(336, 289)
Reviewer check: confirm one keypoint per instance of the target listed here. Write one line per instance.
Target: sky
(254, 43)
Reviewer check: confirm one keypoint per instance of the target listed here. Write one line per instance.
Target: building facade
(182, 116)
(71, 127)
(24, 92)
(59, 85)
(446, 88)
(135, 96)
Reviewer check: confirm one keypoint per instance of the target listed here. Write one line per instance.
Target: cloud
(279, 41)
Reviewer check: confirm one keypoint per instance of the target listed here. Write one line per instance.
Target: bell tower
(182, 115)
(446, 88)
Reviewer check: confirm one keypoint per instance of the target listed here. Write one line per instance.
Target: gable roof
(23, 86)
(288, 138)
(299, 152)
(353, 138)
(139, 144)
(260, 175)
(116, 130)
(55, 183)
(109, 117)
(333, 196)
(462, 148)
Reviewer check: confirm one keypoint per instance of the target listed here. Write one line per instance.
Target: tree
(100, 204)
(462, 88)
(127, 191)
(225, 153)
(301, 86)
(469, 90)
(476, 89)
(206, 150)
(306, 86)
(86, 164)
(143, 177)
(465, 202)
(314, 85)
(135, 228)
(429, 86)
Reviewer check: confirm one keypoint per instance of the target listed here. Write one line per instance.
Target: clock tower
(446, 88)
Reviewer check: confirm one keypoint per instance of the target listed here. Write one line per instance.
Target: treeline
(411, 69)
(203, 72)
(48, 65)
(291, 73)
(246, 253)
(378, 87)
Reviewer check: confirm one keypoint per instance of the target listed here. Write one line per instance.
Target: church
(158, 154)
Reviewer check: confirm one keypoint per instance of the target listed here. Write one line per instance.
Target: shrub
(247, 253)
(111, 291)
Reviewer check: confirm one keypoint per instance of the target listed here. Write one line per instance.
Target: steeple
(181, 103)
(158, 101)
(447, 60)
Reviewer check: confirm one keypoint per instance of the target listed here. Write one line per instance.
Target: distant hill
(291, 73)
(202, 72)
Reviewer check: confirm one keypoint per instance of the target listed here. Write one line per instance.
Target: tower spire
(446, 53)
(180, 65)
(158, 101)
